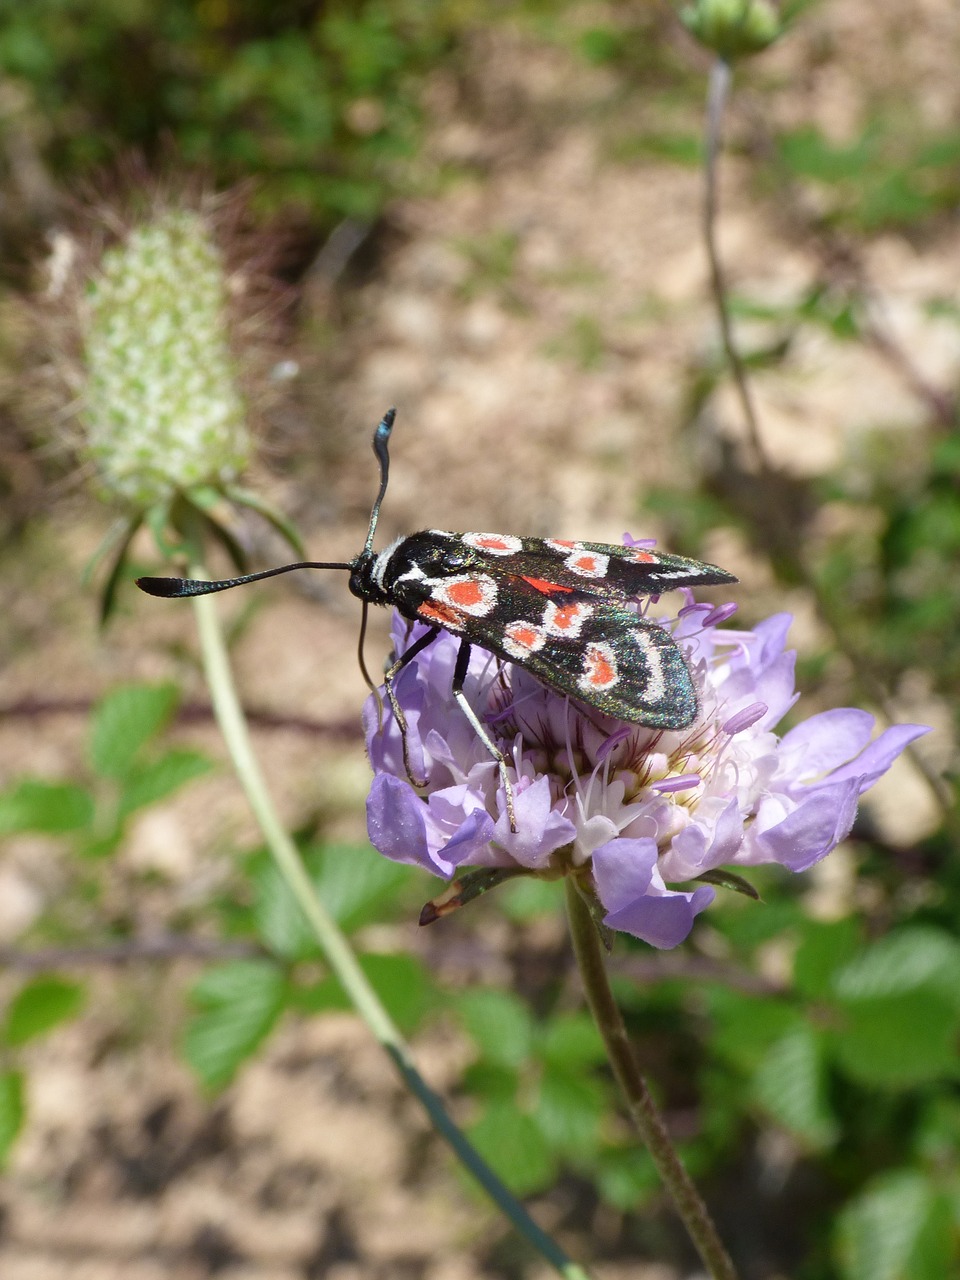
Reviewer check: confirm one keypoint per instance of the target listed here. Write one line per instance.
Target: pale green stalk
(643, 1110)
(333, 943)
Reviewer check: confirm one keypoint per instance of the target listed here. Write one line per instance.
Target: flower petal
(825, 741)
(662, 920)
(877, 758)
(623, 870)
(816, 826)
(541, 830)
(397, 823)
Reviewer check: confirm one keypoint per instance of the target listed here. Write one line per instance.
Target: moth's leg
(459, 675)
(388, 678)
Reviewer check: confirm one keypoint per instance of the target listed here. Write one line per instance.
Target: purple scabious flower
(630, 810)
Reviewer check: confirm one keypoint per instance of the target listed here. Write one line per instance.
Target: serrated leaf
(152, 782)
(823, 950)
(356, 883)
(404, 986)
(39, 1006)
(53, 808)
(12, 1109)
(790, 1083)
(278, 918)
(905, 961)
(240, 1003)
(900, 1040)
(123, 721)
(571, 1040)
(745, 1027)
(877, 1231)
(500, 1025)
(511, 1142)
(400, 981)
(570, 1111)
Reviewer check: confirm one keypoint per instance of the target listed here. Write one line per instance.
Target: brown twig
(863, 674)
(346, 730)
(130, 951)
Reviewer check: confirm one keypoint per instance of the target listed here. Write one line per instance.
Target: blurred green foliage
(318, 100)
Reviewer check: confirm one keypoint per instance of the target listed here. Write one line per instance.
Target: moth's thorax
(405, 573)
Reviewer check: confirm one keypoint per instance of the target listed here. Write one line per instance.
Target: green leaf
(39, 1006)
(12, 1110)
(403, 985)
(790, 1083)
(822, 951)
(152, 782)
(627, 1179)
(745, 1027)
(356, 883)
(571, 1040)
(877, 1231)
(570, 1110)
(239, 1004)
(399, 980)
(278, 918)
(52, 808)
(529, 898)
(500, 1025)
(898, 1040)
(908, 960)
(124, 721)
(512, 1143)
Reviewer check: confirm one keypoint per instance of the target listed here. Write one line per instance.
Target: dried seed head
(162, 411)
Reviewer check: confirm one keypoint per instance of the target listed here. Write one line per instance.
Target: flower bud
(733, 28)
(162, 412)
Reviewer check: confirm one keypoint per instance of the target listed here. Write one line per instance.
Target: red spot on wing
(644, 557)
(566, 616)
(524, 637)
(544, 587)
(467, 594)
(442, 614)
(599, 667)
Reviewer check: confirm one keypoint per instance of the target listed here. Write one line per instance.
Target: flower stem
(643, 1111)
(333, 943)
(718, 94)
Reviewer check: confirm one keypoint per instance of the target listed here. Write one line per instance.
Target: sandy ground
(538, 322)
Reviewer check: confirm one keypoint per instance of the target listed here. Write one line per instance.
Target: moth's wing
(603, 569)
(619, 662)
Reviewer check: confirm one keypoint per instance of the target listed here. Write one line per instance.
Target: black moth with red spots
(562, 610)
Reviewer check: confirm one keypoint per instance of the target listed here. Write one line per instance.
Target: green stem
(335, 947)
(643, 1111)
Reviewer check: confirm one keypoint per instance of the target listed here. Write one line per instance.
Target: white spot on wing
(474, 594)
(496, 544)
(521, 638)
(655, 689)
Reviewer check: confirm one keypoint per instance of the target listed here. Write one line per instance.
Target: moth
(560, 609)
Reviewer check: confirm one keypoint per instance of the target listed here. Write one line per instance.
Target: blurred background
(490, 216)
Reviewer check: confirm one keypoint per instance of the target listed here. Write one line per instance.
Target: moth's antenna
(381, 439)
(177, 587)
